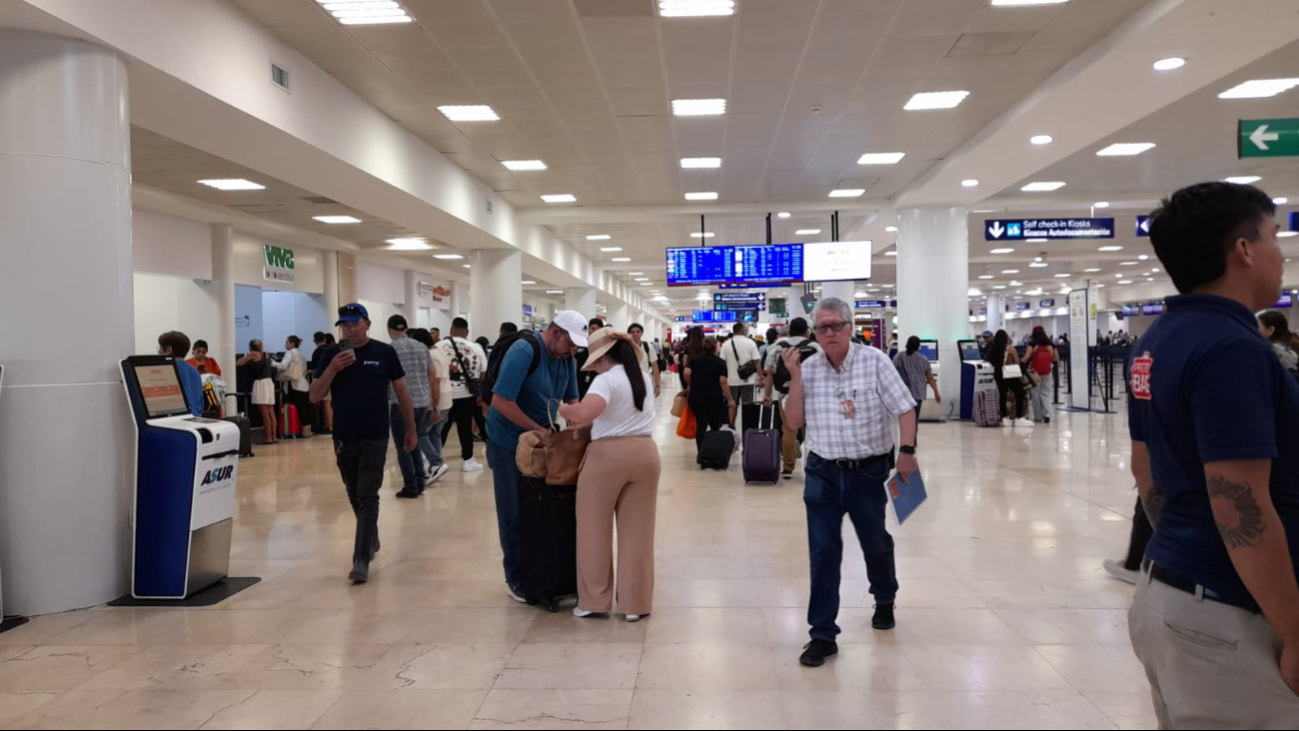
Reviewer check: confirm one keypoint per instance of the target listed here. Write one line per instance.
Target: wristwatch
(904, 449)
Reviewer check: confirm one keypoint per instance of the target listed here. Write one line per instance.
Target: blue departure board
(769, 264)
(701, 265)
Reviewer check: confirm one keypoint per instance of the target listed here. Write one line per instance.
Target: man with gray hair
(847, 396)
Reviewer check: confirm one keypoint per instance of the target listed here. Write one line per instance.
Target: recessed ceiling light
(1259, 89)
(1111, 248)
(1010, 271)
(609, 249)
(1280, 201)
(936, 100)
(783, 214)
(554, 291)
(636, 274)
(695, 8)
(1288, 234)
(1002, 251)
(528, 281)
(1155, 270)
(1039, 265)
(1126, 281)
(1169, 64)
(701, 196)
(1090, 271)
(621, 258)
(890, 253)
(1127, 263)
(1000, 286)
(1244, 179)
(847, 193)
(466, 266)
(560, 198)
(971, 183)
(1042, 187)
(448, 257)
(598, 237)
(337, 219)
(1101, 204)
(524, 165)
(470, 113)
(408, 244)
(1143, 257)
(367, 12)
(881, 158)
(807, 232)
(232, 184)
(1125, 149)
(698, 235)
(698, 107)
(1063, 276)
(987, 276)
(891, 229)
(701, 162)
(1041, 139)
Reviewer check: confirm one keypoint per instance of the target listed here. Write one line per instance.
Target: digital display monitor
(837, 261)
(715, 316)
(772, 264)
(701, 265)
(1046, 304)
(1285, 303)
(870, 304)
(929, 349)
(1023, 306)
(1154, 308)
(768, 264)
(161, 391)
(969, 350)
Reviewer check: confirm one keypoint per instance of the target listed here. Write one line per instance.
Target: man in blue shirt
(520, 403)
(1214, 422)
(176, 344)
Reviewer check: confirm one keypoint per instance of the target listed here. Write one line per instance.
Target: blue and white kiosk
(185, 473)
(931, 411)
(976, 375)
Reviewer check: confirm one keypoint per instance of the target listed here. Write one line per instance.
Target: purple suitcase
(761, 457)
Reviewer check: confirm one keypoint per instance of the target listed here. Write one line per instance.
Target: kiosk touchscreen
(976, 375)
(185, 473)
(931, 410)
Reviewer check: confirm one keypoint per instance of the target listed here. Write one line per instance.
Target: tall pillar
(223, 285)
(618, 315)
(346, 279)
(496, 293)
(933, 284)
(996, 313)
(65, 430)
(410, 308)
(459, 299)
(331, 285)
(580, 299)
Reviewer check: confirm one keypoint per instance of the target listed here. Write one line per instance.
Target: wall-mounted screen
(837, 261)
(768, 264)
(701, 265)
(774, 264)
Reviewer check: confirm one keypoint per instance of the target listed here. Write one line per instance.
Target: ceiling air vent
(279, 77)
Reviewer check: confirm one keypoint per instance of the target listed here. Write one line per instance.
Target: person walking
(692, 346)
(358, 372)
(262, 371)
(417, 364)
(468, 362)
(647, 357)
(535, 370)
(739, 352)
(619, 480)
(791, 438)
(1040, 359)
(1001, 354)
(292, 370)
(847, 396)
(917, 373)
(1214, 422)
(708, 392)
(440, 386)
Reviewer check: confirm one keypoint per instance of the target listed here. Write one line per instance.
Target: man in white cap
(533, 371)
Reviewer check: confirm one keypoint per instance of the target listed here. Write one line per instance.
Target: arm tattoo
(1245, 528)
(1153, 504)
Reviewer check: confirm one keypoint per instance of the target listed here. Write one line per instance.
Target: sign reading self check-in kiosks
(185, 474)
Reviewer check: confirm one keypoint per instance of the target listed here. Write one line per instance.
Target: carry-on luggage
(761, 457)
(755, 414)
(245, 434)
(548, 541)
(716, 449)
(987, 412)
(290, 424)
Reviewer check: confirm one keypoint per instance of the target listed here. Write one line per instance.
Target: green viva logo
(279, 258)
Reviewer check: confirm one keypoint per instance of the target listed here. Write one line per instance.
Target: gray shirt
(915, 370)
(416, 361)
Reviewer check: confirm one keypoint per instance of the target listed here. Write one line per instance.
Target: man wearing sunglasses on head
(847, 396)
(357, 372)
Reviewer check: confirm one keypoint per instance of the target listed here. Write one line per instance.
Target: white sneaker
(439, 472)
(509, 590)
(1116, 569)
(632, 617)
(472, 465)
(1007, 423)
(582, 613)
(1026, 423)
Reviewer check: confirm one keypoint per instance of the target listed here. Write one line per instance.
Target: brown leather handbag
(565, 452)
(531, 455)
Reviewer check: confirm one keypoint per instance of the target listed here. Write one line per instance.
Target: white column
(331, 286)
(618, 316)
(496, 294)
(410, 307)
(933, 284)
(580, 299)
(996, 314)
(65, 430)
(223, 286)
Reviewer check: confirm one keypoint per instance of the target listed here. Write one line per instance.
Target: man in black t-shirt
(357, 372)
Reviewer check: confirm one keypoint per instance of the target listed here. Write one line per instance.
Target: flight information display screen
(772, 264)
(768, 264)
(701, 265)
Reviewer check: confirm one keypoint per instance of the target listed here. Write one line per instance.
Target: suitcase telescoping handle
(219, 455)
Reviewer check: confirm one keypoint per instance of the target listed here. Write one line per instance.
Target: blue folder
(905, 497)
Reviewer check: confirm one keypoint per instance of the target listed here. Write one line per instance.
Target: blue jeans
(432, 448)
(411, 463)
(505, 479)
(832, 492)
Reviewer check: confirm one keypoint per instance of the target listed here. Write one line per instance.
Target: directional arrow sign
(1267, 138)
(1143, 226)
(996, 230)
(1048, 228)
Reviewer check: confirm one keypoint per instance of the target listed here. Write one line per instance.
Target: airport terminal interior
(264, 170)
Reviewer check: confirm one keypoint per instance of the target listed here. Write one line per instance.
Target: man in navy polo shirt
(1215, 452)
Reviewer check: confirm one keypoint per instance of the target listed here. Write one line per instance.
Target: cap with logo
(354, 312)
(575, 325)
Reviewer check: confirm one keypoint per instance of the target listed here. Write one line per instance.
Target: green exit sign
(1267, 138)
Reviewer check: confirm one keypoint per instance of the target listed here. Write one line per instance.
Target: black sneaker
(408, 494)
(884, 617)
(788, 474)
(360, 572)
(816, 651)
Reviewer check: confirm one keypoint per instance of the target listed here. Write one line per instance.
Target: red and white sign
(1141, 367)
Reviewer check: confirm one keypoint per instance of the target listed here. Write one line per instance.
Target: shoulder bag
(565, 451)
(744, 370)
(473, 385)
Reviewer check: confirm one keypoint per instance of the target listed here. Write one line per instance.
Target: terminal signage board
(1048, 228)
(1154, 308)
(1267, 138)
(279, 265)
(1023, 306)
(1294, 220)
(714, 316)
(1143, 227)
(1044, 304)
(741, 298)
(870, 304)
(739, 306)
(1285, 303)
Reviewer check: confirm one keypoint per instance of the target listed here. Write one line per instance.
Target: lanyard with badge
(846, 406)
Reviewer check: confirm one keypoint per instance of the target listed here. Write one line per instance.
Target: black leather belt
(857, 465)
(1168, 577)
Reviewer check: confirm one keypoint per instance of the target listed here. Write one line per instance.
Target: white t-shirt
(474, 358)
(442, 367)
(643, 355)
(621, 419)
(747, 350)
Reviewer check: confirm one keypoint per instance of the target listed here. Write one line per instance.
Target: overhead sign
(1143, 226)
(279, 265)
(1267, 138)
(713, 316)
(870, 304)
(1285, 303)
(1048, 228)
(527, 310)
(740, 306)
(741, 297)
(1044, 304)
(1154, 308)
(1294, 220)
(1023, 306)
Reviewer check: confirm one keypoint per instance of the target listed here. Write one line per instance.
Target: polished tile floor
(1005, 618)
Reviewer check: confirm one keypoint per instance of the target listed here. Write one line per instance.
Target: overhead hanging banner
(1048, 228)
(1080, 387)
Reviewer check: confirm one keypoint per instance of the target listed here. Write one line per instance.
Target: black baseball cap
(397, 322)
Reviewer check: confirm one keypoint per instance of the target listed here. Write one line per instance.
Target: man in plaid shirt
(848, 397)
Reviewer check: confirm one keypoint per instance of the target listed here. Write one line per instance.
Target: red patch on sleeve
(1141, 367)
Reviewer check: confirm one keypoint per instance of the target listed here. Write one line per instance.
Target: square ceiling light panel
(336, 219)
(698, 107)
(560, 198)
(701, 162)
(881, 158)
(1042, 187)
(701, 196)
(848, 193)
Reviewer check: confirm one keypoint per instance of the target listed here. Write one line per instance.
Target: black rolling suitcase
(548, 541)
(716, 449)
(761, 456)
(245, 434)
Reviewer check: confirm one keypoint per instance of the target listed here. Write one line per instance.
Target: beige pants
(620, 480)
(1211, 666)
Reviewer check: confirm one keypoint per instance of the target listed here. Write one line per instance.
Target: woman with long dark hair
(1041, 359)
(293, 371)
(1276, 329)
(692, 346)
(619, 480)
(1001, 354)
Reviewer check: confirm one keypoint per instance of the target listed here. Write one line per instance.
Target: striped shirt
(868, 387)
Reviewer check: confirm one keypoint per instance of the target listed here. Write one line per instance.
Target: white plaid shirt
(878, 395)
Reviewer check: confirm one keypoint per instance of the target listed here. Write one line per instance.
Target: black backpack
(499, 351)
(782, 377)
